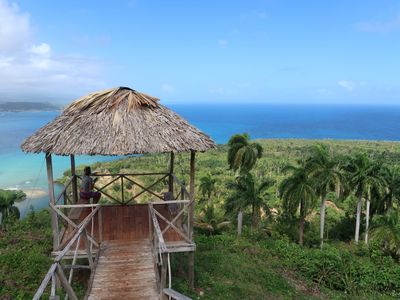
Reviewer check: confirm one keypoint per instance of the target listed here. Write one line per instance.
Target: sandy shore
(34, 193)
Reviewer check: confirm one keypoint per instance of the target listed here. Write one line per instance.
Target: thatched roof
(118, 121)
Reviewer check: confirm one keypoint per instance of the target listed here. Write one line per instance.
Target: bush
(340, 269)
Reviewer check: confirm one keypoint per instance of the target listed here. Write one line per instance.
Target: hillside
(265, 262)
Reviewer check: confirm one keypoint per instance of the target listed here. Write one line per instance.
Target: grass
(24, 255)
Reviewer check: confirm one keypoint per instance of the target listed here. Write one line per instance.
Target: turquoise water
(26, 171)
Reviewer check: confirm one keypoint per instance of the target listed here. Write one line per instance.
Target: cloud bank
(30, 69)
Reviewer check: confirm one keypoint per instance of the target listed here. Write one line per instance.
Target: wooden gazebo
(120, 237)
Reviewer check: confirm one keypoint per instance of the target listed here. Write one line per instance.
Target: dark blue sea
(220, 121)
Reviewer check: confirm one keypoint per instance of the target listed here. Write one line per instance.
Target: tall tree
(242, 157)
(298, 193)
(207, 187)
(365, 175)
(243, 154)
(324, 169)
(391, 175)
(247, 192)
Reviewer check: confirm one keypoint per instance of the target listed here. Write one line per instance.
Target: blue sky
(272, 51)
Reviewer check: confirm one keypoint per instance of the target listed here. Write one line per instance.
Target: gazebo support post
(171, 172)
(54, 220)
(74, 180)
(191, 216)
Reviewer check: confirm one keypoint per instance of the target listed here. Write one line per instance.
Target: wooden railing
(161, 251)
(56, 270)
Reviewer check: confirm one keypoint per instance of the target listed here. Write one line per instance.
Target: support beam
(163, 276)
(191, 193)
(191, 216)
(54, 219)
(74, 180)
(171, 171)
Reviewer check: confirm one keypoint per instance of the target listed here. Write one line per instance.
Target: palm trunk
(240, 222)
(322, 220)
(301, 223)
(256, 216)
(367, 222)
(358, 217)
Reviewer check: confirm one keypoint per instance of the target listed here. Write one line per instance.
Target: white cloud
(42, 49)
(380, 26)
(346, 84)
(168, 88)
(31, 69)
(15, 31)
(223, 42)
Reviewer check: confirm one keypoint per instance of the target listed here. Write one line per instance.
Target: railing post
(163, 277)
(149, 207)
(122, 189)
(100, 220)
(171, 172)
(191, 216)
(65, 283)
(87, 246)
(74, 180)
(54, 219)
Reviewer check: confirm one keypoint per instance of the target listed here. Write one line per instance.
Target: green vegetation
(25, 248)
(288, 192)
(7, 209)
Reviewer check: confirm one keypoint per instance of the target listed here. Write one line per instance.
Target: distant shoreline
(24, 106)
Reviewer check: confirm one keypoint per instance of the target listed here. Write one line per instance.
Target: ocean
(220, 121)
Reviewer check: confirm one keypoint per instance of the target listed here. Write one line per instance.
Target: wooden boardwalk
(125, 270)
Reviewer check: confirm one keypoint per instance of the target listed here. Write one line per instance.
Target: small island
(27, 106)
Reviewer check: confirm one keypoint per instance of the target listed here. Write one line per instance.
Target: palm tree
(210, 221)
(298, 193)
(391, 175)
(7, 208)
(207, 187)
(386, 229)
(242, 157)
(365, 176)
(243, 154)
(325, 171)
(248, 192)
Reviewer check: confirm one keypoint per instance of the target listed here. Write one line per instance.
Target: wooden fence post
(163, 277)
(74, 180)
(54, 219)
(191, 216)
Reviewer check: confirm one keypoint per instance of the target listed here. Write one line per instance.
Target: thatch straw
(118, 121)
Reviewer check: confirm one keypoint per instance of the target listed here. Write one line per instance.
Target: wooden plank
(175, 295)
(77, 205)
(169, 202)
(125, 270)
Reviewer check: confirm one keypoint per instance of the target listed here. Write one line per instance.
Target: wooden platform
(125, 270)
(124, 222)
